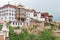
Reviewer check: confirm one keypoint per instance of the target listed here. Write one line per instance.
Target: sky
(51, 6)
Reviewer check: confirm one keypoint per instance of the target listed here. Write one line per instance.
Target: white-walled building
(8, 13)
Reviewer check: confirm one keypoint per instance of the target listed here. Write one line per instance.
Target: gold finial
(32, 7)
(15, 4)
(8, 2)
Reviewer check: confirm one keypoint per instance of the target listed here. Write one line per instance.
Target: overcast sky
(51, 6)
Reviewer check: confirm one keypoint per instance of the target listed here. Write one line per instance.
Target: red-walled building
(47, 16)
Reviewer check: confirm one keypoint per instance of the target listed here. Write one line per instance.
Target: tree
(59, 26)
(11, 33)
(0, 27)
(46, 35)
(26, 36)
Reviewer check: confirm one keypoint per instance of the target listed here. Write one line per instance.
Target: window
(16, 23)
(12, 18)
(35, 14)
(9, 13)
(9, 10)
(5, 17)
(5, 13)
(2, 18)
(12, 11)
(27, 23)
(12, 14)
(20, 23)
(13, 23)
(9, 17)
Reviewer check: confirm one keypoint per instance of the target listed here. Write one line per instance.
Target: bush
(0, 27)
(47, 35)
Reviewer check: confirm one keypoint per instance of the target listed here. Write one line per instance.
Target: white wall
(7, 15)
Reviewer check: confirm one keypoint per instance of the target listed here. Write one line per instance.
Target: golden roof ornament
(15, 4)
(8, 2)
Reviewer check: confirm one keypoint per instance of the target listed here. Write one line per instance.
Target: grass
(58, 38)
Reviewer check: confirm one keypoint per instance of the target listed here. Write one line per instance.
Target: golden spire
(32, 7)
(15, 4)
(8, 2)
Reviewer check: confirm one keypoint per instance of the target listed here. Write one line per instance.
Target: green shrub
(0, 27)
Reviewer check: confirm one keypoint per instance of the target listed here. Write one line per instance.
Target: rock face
(35, 27)
(1, 37)
(57, 32)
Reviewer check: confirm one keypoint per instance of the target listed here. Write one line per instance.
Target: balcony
(22, 16)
